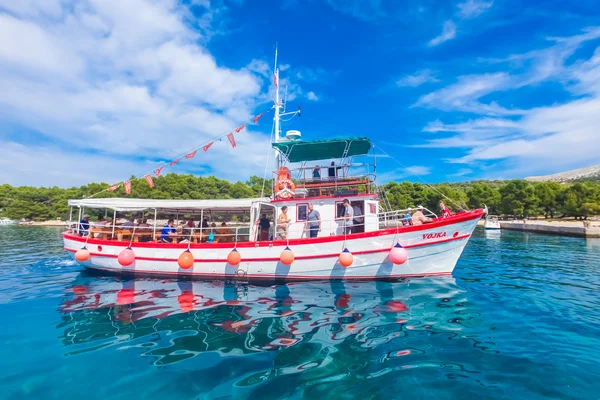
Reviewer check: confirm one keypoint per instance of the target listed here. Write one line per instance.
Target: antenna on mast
(277, 103)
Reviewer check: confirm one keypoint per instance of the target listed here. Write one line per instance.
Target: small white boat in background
(6, 221)
(491, 222)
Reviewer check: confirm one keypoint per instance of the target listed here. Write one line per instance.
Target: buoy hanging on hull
(126, 257)
(234, 257)
(82, 254)
(287, 256)
(346, 258)
(186, 260)
(398, 254)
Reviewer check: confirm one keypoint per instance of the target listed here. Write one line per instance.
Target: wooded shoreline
(517, 198)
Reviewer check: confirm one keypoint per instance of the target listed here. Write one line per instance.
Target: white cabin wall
(327, 208)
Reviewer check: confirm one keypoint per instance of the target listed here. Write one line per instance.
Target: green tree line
(515, 198)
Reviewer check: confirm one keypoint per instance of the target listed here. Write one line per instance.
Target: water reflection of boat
(176, 320)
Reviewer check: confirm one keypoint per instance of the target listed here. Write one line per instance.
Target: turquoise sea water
(520, 318)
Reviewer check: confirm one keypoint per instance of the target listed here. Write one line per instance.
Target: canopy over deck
(120, 204)
(312, 150)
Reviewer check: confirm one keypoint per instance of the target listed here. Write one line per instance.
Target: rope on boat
(262, 190)
(183, 154)
(421, 179)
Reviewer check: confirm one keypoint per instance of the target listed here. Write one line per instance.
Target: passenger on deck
(332, 171)
(203, 224)
(168, 233)
(129, 224)
(264, 225)
(317, 173)
(211, 235)
(313, 219)
(225, 234)
(348, 217)
(144, 227)
(418, 218)
(407, 217)
(187, 231)
(445, 211)
(101, 223)
(84, 225)
(282, 224)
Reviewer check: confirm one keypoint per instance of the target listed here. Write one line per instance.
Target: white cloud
(448, 32)
(419, 78)
(464, 95)
(125, 79)
(312, 96)
(462, 172)
(415, 171)
(473, 8)
(564, 135)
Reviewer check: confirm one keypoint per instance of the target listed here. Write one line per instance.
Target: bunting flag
(127, 187)
(275, 79)
(231, 139)
(239, 129)
(173, 163)
(113, 187)
(158, 171)
(257, 118)
(206, 147)
(191, 155)
(149, 180)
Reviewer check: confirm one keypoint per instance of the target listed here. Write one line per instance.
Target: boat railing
(242, 233)
(228, 234)
(403, 217)
(332, 176)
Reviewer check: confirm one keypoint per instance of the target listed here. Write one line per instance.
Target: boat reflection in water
(312, 325)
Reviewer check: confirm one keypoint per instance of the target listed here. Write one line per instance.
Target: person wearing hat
(84, 225)
(418, 218)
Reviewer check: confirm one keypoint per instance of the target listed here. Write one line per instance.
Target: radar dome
(293, 135)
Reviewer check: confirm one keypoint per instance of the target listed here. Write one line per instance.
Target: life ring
(285, 189)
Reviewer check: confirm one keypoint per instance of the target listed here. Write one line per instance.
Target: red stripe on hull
(277, 259)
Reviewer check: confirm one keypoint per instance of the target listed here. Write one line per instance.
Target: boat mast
(277, 104)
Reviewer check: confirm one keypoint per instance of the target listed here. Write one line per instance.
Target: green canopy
(302, 150)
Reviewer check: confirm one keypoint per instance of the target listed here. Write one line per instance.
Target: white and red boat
(238, 251)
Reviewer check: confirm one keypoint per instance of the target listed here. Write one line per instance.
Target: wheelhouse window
(339, 210)
(301, 212)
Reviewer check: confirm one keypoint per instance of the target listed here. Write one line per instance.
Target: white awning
(119, 204)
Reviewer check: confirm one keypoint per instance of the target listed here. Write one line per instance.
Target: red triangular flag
(191, 155)
(113, 187)
(158, 171)
(149, 180)
(127, 187)
(257, 118)
(205, 148)
(239, 128)
(231, 139)
(173, 163)
(275, 79)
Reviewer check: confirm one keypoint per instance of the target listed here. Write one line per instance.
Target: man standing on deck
(84, 225)
(264, 225)
(313, 219)
(348, 217)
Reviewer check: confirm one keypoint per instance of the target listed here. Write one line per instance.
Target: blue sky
(96, 90)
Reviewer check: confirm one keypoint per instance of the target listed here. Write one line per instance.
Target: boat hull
(433, 249)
